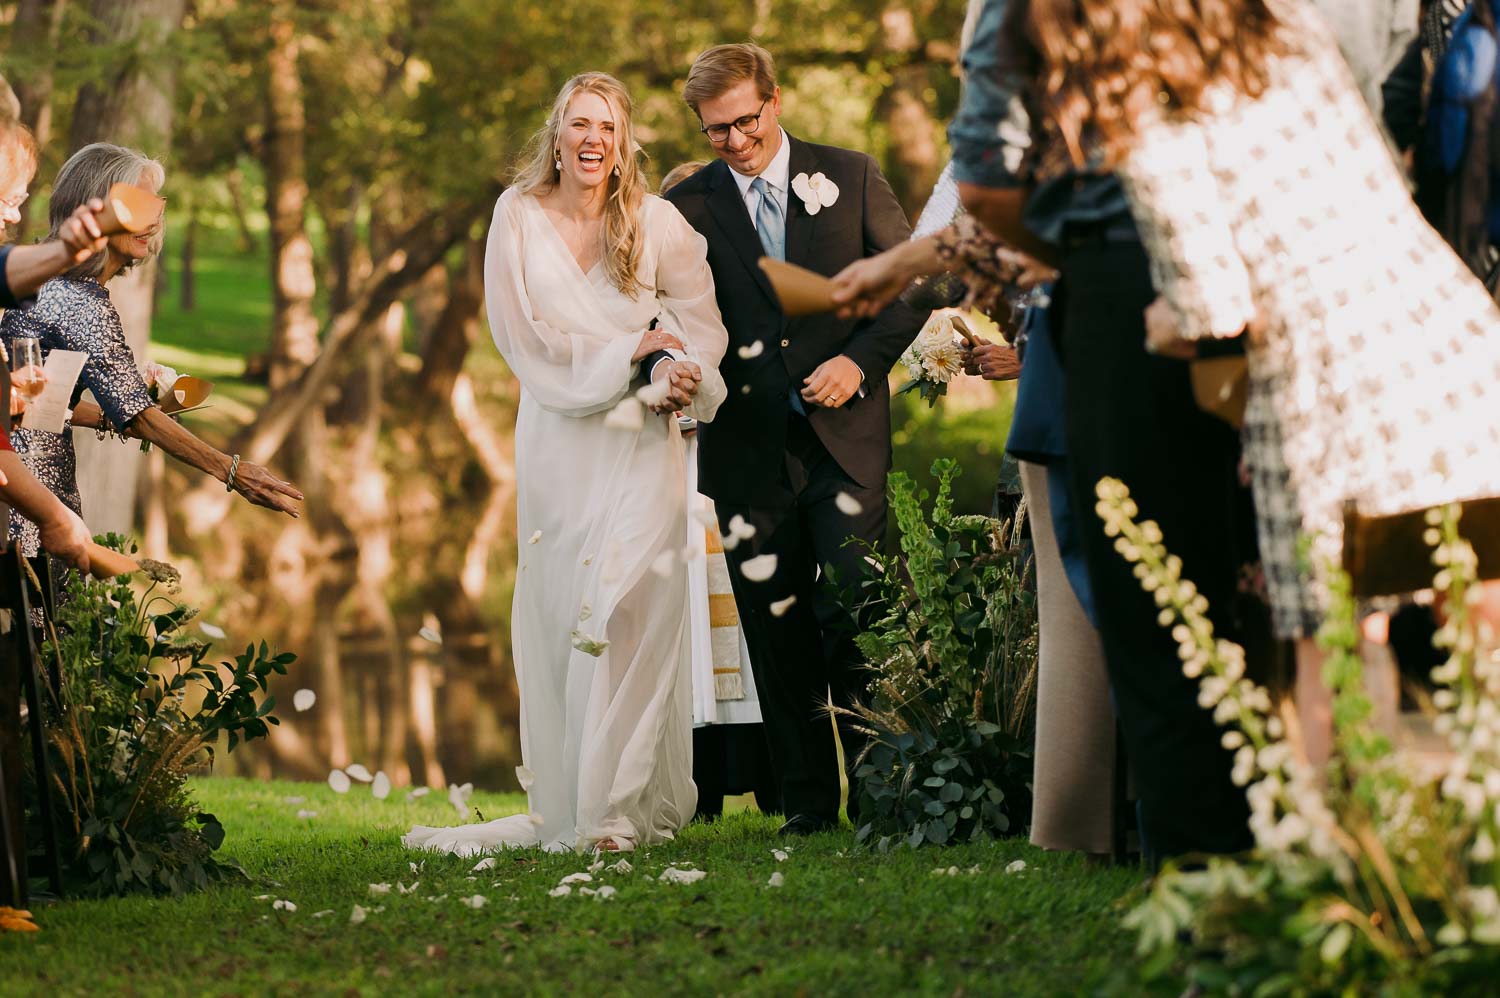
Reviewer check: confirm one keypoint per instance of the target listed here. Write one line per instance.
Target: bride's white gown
(600, 619)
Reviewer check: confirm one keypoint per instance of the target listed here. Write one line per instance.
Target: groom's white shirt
(775, 174)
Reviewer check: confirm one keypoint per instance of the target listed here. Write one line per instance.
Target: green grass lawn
(845, 921)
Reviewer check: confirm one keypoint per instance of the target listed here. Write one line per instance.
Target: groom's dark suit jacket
(741, 452)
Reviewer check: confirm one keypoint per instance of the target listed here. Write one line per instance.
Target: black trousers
(1131, 415)
(807, 652)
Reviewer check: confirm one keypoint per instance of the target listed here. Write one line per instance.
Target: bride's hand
(653, 341)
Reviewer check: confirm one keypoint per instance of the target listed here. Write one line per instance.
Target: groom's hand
(682, 378)
(833, 384)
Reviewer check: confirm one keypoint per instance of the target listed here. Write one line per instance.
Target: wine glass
(27, 377)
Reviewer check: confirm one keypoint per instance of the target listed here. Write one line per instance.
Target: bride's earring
(616, 170)
(557, 160)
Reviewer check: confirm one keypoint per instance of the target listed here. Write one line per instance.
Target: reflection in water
(411, 672)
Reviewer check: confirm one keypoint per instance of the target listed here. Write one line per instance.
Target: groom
(800, 450)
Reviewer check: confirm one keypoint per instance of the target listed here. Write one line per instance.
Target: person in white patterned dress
(1268, 202)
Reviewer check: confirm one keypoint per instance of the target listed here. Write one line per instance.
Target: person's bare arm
(252, 481)
(27, 268)
(62, 532)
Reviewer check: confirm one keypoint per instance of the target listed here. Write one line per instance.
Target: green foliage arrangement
(951, 706)
(1377, 875)
(136, 707)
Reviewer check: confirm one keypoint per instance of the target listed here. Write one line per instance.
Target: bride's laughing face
(586, 141)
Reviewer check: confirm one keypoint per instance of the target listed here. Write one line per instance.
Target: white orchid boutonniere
(817, 191)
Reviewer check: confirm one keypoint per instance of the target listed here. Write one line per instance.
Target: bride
(585, 276)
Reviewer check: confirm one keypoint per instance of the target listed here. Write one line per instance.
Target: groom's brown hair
(718, 69)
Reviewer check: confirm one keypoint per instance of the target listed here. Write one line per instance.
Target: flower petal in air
(416, 793)
(303, 700)
(781, 606)
(629, 416)
(359, 773)
(752, 351)
(759, 569)
(380, 787)
(847, 504)
(339, 781)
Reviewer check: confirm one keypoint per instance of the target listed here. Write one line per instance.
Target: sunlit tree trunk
(130, 104)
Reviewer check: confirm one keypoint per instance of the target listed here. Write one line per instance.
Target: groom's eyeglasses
(746, 125)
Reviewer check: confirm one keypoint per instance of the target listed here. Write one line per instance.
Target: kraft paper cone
(107, 564)
(800, 291)
(1221, 386)
(187, 392)
(129, 208)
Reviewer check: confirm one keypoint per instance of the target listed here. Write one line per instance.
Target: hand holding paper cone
(129, 209)
(801, 291)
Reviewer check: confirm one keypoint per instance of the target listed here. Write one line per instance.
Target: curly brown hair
(1105, 63)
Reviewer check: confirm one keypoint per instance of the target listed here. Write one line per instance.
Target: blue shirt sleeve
(991, 132)
(7, 297)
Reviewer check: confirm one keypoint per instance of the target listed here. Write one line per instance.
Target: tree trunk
(131, 105)
(916, 154)
(455, 329)
(235, 181)
(294, 327)
(34, 37)
(187, 278)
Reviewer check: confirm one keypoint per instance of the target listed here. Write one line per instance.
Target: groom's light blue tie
(770, 225)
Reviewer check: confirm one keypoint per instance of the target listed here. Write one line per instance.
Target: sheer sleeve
(1180, 212)
(576, 371)
(689, 309)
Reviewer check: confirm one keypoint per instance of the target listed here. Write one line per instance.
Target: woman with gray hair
(74, 312)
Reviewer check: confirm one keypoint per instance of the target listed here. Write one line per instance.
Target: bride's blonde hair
(538, 174)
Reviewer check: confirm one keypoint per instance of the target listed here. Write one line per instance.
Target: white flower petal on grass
(560, 891)
(781, 606)
(459, 798)
(759, 569)
(596, 866)
(777, 880)
(606, 892)
(322, 914)
(578, 878)
(1016, 867)
(403, 889)
(261, 897)
(476, 902)
(780, 855)
(629, 416)
(672, 875)
(623, 866)
(376, 890)
(488, 863)
(587, 892)
(213, 631)
(752, 351)
(339, 781)
(847, 504)
(417, 792)
(283, 906)
(534, 537)
(358, 915)
(588, 644)
(294, 800)
(359, 773)
(305, 813)
(380, 787)
(303, 700)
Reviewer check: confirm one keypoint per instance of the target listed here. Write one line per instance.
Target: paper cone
(129, 208)
(187, 393)
(800, 291)
(1221, 386)
(107, 564)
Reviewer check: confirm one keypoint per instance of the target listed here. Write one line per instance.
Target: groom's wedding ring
(832, 399)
